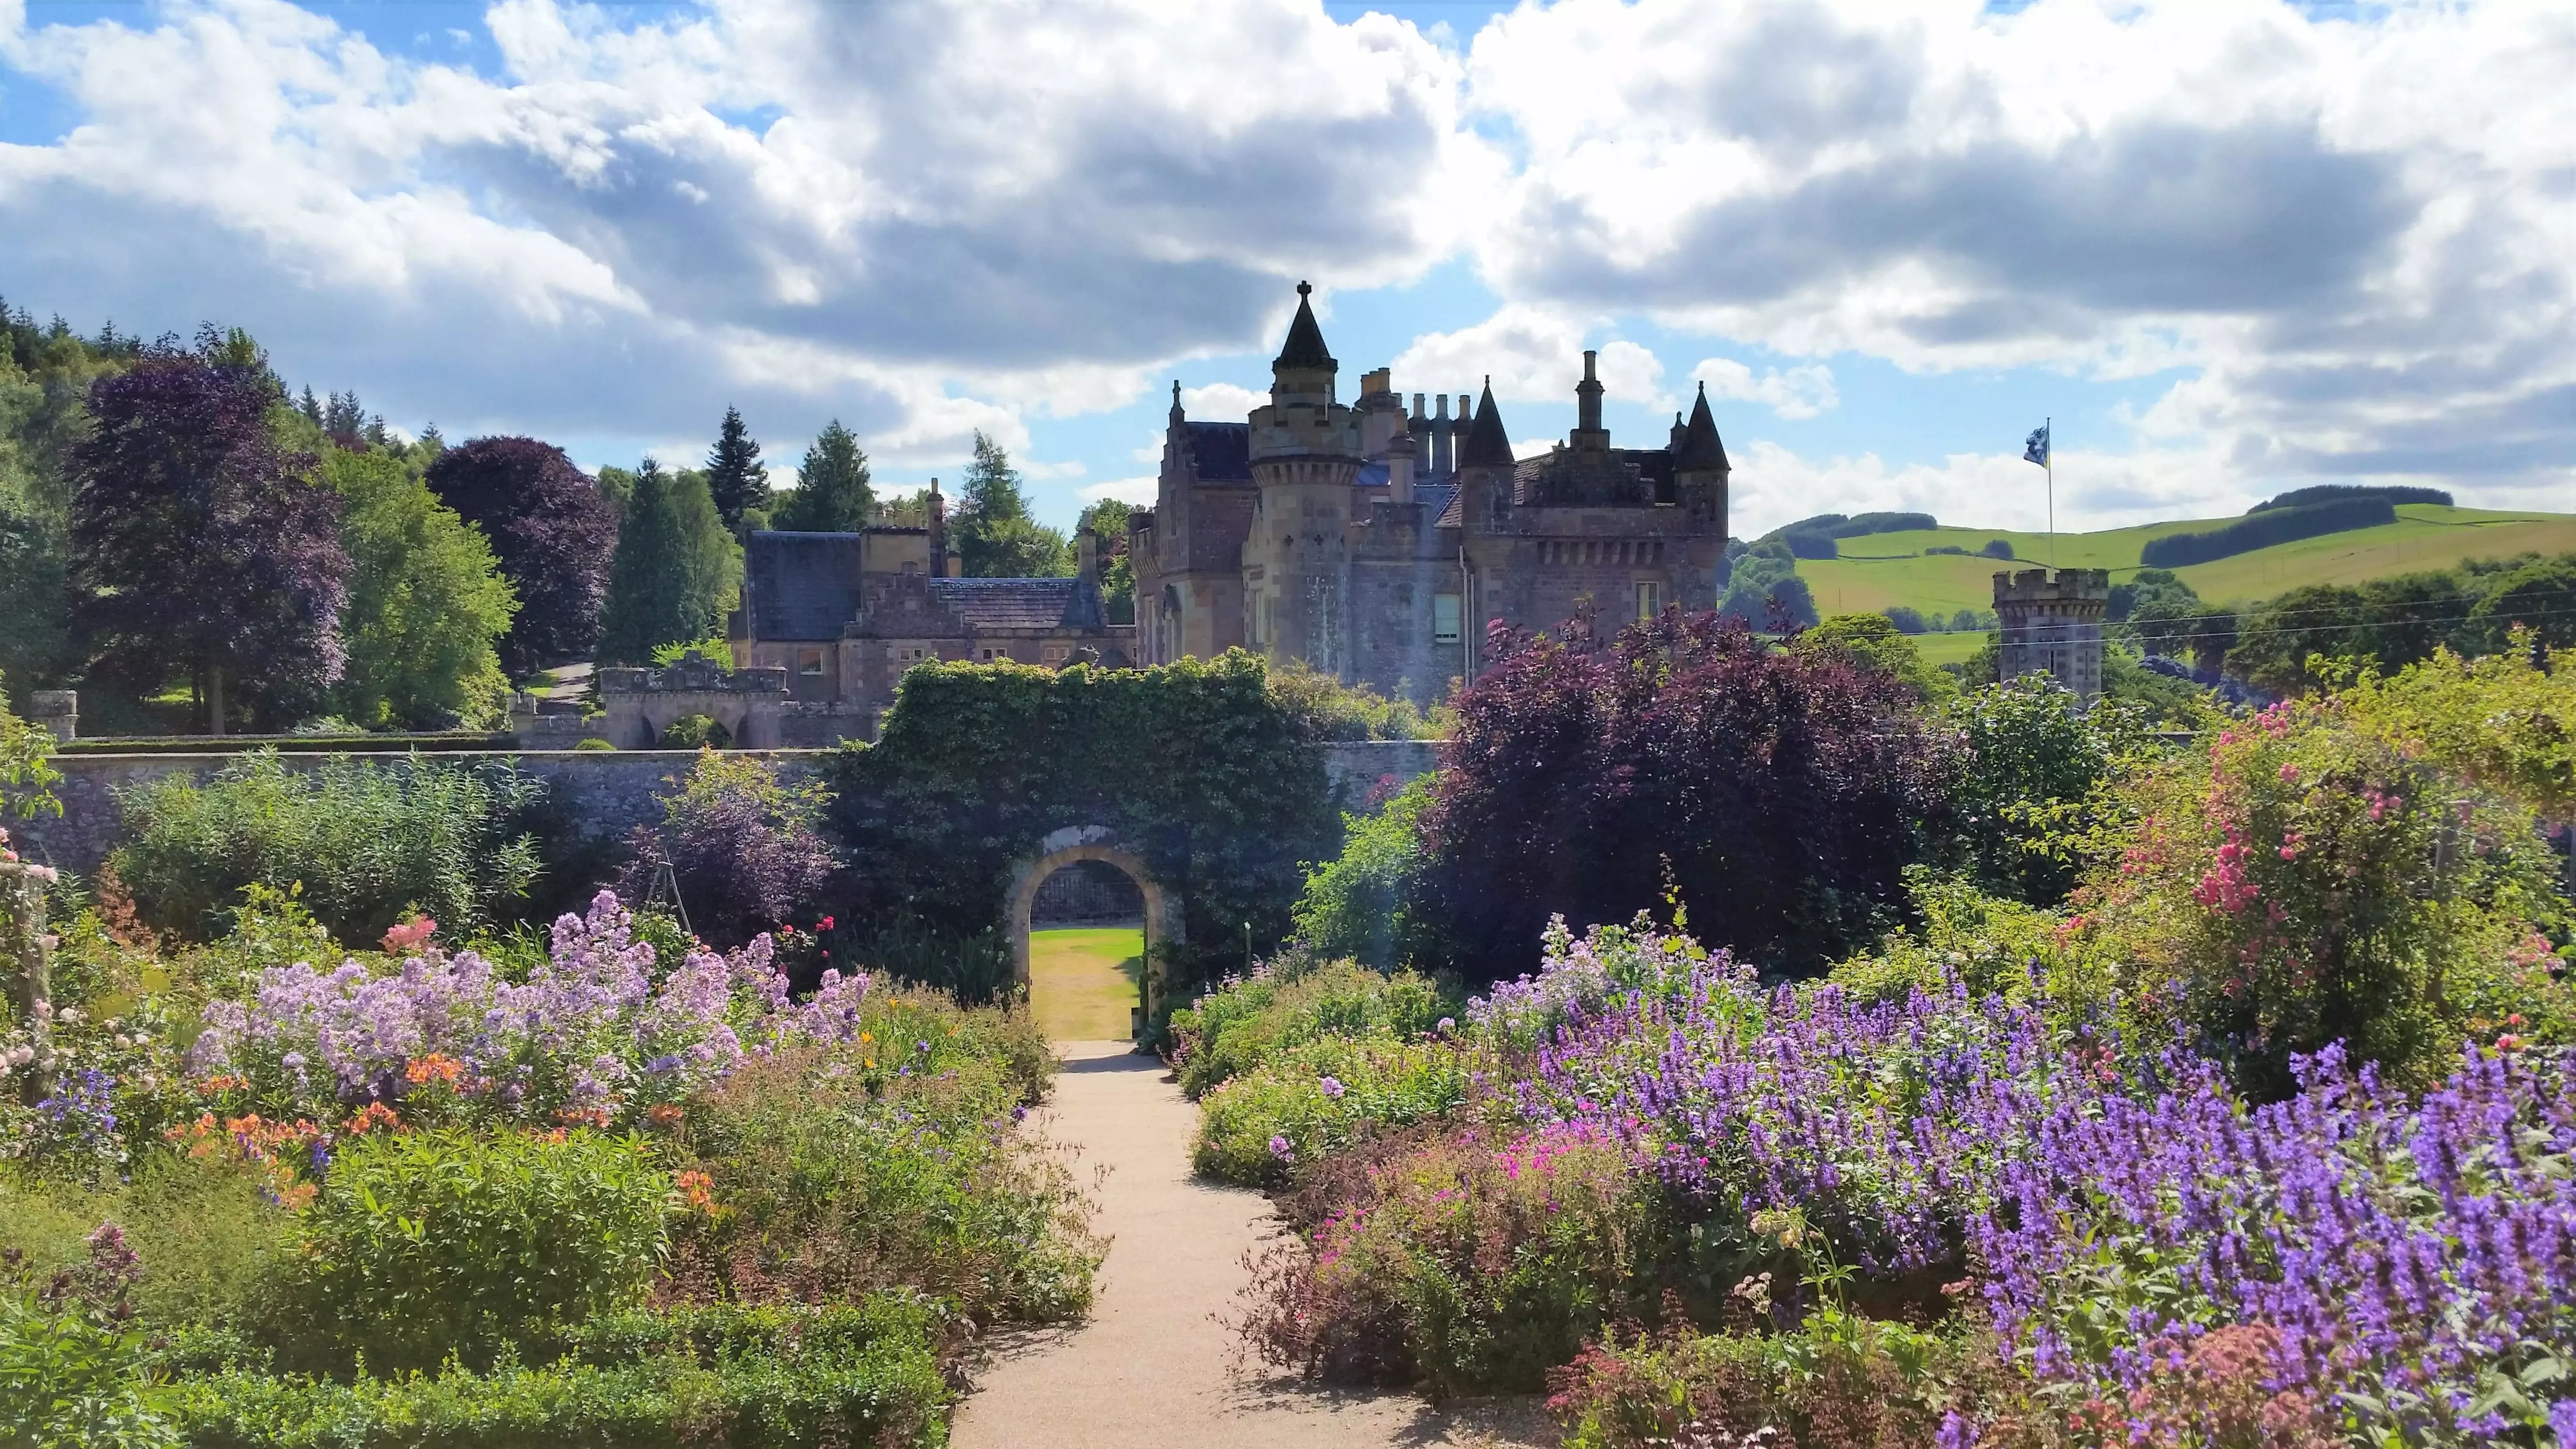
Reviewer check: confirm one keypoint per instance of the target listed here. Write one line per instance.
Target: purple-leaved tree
(554, 533)
(201, 544)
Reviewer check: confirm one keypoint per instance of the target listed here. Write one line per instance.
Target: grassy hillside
(1883, 569)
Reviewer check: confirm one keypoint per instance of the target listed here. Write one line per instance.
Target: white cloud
(1217, 402)
(1138, 490)
(950, 215)
(2354, 228)
(1772, 485)
(1529, 354)
(1801, 392)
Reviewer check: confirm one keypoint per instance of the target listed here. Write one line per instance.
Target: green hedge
(289, 744)
(742, 1378)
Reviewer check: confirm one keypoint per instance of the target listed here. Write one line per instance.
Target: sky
(2228, 247)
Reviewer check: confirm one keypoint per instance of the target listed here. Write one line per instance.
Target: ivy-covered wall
(1195, 760)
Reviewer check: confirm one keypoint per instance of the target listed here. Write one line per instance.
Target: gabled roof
(1305, 347)
(1700, 448)
(1220, 452)
(1020, 603)
(1487, 445)
(1443, 501)
(801, 585)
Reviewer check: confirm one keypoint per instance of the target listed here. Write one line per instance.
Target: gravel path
(1151, 1368)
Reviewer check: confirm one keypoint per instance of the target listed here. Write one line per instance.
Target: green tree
(1873, 642)
(832, 492)
(427, 602)
(735, 475)
(1107, 518)
(2282, 634)
(676, 572)
(995, 537)
(2540, 595)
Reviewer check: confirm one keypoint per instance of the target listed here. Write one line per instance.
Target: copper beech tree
(202, 546)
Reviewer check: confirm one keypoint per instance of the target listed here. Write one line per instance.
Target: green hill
(1886, 569)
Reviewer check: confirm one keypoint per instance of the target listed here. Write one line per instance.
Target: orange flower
(436, 1067)
(699, 1190)
(371, 1117)
(666, 1115)
(584, 1117)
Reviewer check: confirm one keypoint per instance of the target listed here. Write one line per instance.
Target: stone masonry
(2054, 624)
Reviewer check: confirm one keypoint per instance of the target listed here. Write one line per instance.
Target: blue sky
(2230, 249)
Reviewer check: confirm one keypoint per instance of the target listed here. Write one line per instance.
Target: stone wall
(600, 794)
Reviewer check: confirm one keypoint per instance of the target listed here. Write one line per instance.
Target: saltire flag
(2036, 450)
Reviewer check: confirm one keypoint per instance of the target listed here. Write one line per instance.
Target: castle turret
(2053, 624)
(1305, 458)
(1699, 465)
(1485, 463)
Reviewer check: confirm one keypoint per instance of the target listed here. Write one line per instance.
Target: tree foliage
(1782, 792)
(196, 537)
(832, 489)
(677, 570)
(994, 536)
(977, 763)
(554, 533)
(736, 477)
(427, 603)
(742, 845)
(1107, 519)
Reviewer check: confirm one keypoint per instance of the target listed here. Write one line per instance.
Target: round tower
(1306, 454)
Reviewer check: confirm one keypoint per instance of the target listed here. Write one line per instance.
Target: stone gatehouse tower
(1377, 544)
(2053, 624)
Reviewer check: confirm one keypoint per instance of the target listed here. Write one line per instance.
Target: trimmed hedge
(2263, 530)
(288, 744)
(741, 1378)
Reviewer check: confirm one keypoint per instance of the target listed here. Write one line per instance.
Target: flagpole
(2051, 425)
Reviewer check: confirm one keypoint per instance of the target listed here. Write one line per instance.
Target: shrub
(1472, 1262)
(743, 1378)
(68, 1381)
(1997, 548)
(592, 742)
(369, 843)
(1321, 1098)
(429, 1243)
(1779, 792)
(2026, 782)
(1243, 1023)
(890, 1161)
(741, 844)
(1328, 709)
(696, 732)
(2303, 882)
(976, 968)
(1365, 903)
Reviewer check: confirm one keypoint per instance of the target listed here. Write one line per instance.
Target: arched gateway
(1094, 842)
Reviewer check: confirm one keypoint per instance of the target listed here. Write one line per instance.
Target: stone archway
(1094, 842)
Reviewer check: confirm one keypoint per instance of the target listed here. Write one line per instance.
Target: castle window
(810, 662)
(1444, 618)
(1648, 603)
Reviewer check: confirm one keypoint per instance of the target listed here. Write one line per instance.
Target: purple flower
(1333, 1089)
(1280, 1149)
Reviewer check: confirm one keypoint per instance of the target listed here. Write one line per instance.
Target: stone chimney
(1440, 465)
(938, 510)
(1587, 396)
(1399, 470)
(1086, 547)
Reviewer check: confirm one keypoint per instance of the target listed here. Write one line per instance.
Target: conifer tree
(832, 490)
(735, 474)
(676, 573)
(995, 536)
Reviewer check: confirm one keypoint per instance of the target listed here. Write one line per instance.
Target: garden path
(1152, 1368)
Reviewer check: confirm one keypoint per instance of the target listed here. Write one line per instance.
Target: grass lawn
(1081, 983)
(1878, 570)
(1939, 649)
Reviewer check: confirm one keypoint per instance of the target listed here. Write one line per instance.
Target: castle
(1378, 545)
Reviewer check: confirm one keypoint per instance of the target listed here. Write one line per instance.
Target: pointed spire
(1488, 446)
(1305, 348)
(1177, 414)
(1700, 449)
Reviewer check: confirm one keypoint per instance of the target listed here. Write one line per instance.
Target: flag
(2036, 450)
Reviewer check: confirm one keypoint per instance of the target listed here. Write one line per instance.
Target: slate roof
(801, 585)
(1487, 445)
(1700, 446)
(1019, 603)
(1220, 452)
(1305, 347)
(1446, 502)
